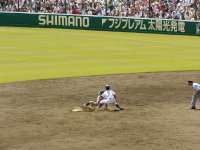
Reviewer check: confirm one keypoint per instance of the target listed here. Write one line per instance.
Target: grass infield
(36, 53)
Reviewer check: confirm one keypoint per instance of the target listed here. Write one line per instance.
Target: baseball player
(99, 98)
(196, 88)
(109, 97)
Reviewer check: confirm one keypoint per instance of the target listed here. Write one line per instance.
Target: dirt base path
(36, 115)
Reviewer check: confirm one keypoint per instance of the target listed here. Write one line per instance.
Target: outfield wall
(127, 24)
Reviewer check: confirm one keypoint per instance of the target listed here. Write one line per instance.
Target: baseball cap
(107, 87)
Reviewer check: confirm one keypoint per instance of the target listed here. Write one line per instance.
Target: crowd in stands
(166, 9)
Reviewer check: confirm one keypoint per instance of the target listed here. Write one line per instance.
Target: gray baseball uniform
(196, 87)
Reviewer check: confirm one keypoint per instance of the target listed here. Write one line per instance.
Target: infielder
(196, 88)
(109, 97)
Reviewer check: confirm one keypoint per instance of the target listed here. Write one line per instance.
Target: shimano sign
(61, 20)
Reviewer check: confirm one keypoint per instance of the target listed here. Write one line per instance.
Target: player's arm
(99, 98)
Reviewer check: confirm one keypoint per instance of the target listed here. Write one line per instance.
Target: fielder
(109, 97)
(196, 88)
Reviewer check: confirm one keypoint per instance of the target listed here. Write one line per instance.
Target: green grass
(33, 53)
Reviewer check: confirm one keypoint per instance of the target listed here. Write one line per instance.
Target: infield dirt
(36, 115)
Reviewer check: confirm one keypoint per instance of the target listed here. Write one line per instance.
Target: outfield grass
(34, 53)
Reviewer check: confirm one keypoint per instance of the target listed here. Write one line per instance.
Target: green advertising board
(126, 24)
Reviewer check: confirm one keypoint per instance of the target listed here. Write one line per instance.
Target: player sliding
(109, 97)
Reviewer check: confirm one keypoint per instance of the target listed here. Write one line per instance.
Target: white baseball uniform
(108, 97)
(196, 87)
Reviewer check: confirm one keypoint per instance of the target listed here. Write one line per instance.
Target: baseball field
(45, 73)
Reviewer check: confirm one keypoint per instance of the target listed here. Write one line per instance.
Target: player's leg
(193, 102)
(194, 99)
(106, 106)
(110, 101)
(101, 104)
(117, 105)
(113, 101)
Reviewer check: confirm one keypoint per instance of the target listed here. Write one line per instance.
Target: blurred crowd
(166, 9)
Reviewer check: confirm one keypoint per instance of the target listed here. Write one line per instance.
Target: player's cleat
(193, 107)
